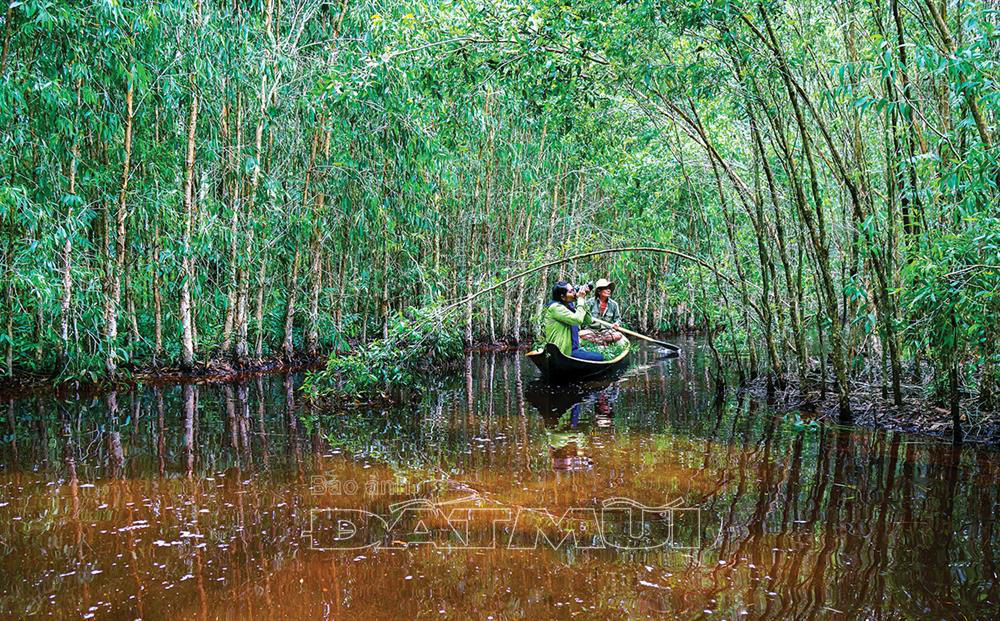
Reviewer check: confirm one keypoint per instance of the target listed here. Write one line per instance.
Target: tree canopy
(185, 181)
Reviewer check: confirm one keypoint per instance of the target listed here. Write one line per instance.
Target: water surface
(229, 501)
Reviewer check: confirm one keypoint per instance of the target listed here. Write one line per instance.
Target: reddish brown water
(222, 502)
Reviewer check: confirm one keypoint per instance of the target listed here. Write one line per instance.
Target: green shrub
(419, 342)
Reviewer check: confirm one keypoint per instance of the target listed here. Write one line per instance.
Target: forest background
(186, 182)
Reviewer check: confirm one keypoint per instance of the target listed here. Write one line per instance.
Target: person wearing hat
(602, 307)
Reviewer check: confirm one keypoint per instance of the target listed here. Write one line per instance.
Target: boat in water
(557, 367)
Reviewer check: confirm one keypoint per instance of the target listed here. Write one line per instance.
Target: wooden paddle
(637, 335)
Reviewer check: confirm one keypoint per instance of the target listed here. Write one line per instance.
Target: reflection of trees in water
(862, 522)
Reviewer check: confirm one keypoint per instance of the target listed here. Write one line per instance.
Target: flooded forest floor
(871, 406)
(201, 501)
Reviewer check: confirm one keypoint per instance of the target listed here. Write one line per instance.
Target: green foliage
(419, 345)
(609, 351)
(410, 151)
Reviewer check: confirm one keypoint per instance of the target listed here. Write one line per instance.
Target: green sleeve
(581, 317)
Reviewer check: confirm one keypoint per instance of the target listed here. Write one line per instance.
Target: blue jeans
(583, 354)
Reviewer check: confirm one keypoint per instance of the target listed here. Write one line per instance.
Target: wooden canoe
(557, 367)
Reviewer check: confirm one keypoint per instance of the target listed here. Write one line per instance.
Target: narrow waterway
(494, 496)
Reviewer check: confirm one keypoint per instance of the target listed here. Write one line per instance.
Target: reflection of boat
(558, 367)
(553, 401)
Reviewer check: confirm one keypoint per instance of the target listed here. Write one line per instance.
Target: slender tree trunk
(133, 321)
(486, 228)
(547, 286)
(341, 285)
(384, 308)
(235, 194)
(7, 28)
(67, 254)
(315, 264)
(157, 300)
(316, 286)
(817, 232)
(187, 271)
(661, 305)
(117, 267)
(287, 344)
(647, 296)
(953, 386)
(259, 312)
(519, 296)
(9, 329)
(793, 293)
(759, 223)
(987, 383)
(37, 331)
(910, 198)
(242, 319)
(970, 96)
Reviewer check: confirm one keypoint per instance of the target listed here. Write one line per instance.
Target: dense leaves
(294, 174)
(419, 345)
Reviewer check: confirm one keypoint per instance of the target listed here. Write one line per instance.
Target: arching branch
(584, 255)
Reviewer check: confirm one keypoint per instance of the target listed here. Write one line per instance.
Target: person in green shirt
(563, 320)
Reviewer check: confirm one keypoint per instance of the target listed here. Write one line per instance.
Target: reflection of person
(602, 406)
(570, 457)
(563, 320)
(603, 410)
(602, 307)
(566, 443)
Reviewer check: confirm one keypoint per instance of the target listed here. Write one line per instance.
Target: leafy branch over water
(418, 342)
